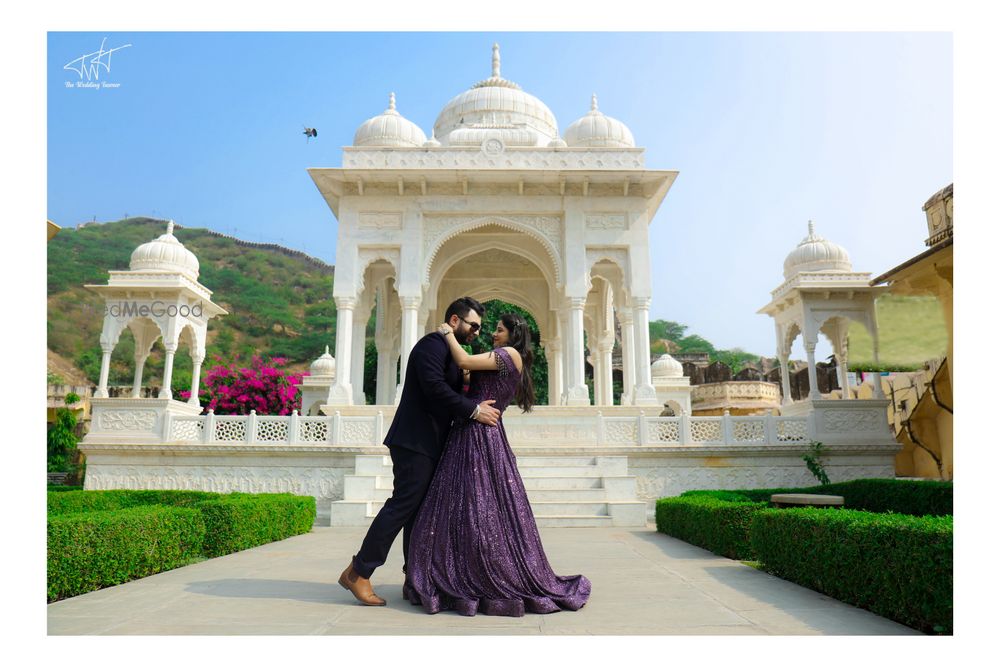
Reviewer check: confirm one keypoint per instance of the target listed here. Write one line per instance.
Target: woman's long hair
(520, 339)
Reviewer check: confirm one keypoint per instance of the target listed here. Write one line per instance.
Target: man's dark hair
(461, 307)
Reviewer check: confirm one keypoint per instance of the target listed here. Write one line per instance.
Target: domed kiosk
(158, 297)
(821, 294)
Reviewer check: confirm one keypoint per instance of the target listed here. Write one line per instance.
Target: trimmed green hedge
(91, 501)
(918, 498)
(234, 524)
(716, 524)
(89, 545)
(98, 549)
(63, 487)
(898, 566)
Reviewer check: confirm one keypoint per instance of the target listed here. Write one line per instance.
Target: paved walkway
(644, 583)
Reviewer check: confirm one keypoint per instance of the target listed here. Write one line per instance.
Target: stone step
(568, 508)
(573, 521)
(562, 483)
(568, 495)
(561, 471)
(368, 464)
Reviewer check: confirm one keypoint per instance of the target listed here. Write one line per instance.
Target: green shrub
(92, 550)
(61, 488)
(91, 501)
(895, 565)
(234, 524)
(918, 498)
(721, 526)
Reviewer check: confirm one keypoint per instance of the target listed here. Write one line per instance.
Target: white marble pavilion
(497, 204)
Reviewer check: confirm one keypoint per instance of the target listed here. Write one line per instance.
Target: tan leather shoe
(360, 587)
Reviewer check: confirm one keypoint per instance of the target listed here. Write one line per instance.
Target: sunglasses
(475, 326)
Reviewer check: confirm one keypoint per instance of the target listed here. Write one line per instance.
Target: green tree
(62, 437)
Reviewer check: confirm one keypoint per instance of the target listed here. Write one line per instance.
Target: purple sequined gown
(475, 546)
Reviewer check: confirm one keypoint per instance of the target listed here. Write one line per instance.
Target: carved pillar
(168, 370)
(553, 352)
(102, 384)
(196, 378)
(607, 377)
(358, 354)
(811, 358)
(576, 389)
(408, 334)
(341, 393)
(645, 394)
(786, 385)
(628, 355)
(140, 362)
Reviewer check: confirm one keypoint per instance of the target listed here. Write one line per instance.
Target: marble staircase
(569, 491)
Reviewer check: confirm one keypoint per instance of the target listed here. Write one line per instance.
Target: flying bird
(310, 132)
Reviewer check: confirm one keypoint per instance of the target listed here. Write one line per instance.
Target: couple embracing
(470, 542)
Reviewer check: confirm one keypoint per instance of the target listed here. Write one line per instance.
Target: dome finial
(812, 228)
(170, 227)
(392, 101)
(593, 102)
(327, 350)
(496, 60)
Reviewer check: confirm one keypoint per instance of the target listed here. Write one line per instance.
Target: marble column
(576, 387)
(341, 393)
(358, 354)
(140, 363)
(198, 359)
(408, 334)
(607, 376)
(628, 355)
(645, 394)
(813, 383)
(102, 384)
(168, 371)
(553, 353)
(786, 385)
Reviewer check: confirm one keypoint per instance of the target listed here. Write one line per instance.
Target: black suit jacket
(431, 399)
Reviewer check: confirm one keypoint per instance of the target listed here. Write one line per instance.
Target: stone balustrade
(597, 430)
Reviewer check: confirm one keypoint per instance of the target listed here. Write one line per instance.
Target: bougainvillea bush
(236, 389)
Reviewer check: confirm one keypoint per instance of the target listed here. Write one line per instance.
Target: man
(431, 400)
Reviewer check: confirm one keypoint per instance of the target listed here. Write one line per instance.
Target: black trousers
(411, 476)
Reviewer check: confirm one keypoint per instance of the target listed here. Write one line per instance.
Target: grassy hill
(279, 300)
(911, 331)
(280, 303)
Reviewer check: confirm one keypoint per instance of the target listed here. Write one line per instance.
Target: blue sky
(767, 130)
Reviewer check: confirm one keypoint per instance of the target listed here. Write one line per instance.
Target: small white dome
(496, 108)
(165, 253)
(667, 367)
(557, 143)
(389, 130)
(595, 130)
(814, 253)
(324, 365)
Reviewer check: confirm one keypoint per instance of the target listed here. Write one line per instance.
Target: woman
(475, 545)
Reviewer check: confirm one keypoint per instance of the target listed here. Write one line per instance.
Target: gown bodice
(500, 385)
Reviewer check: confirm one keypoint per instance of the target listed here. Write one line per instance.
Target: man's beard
(465, 334)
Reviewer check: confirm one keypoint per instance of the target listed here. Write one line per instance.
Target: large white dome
(814, 253)
(389, 129)
(498, 109)
(165, 253)
(595, 130)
